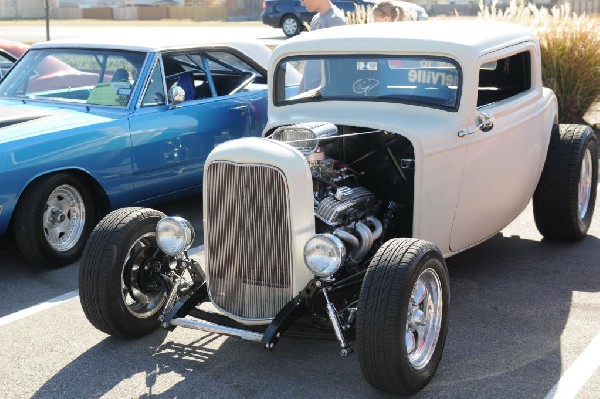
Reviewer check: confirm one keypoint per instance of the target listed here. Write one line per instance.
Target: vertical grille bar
(248, 240)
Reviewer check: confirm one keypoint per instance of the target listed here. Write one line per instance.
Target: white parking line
(21, 314)
(579, 373)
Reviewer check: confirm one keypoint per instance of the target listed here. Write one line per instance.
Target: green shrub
(570, 49)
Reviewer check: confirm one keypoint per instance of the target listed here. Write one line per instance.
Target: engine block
(345, 205)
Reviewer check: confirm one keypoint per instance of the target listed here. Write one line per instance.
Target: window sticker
(110, 93)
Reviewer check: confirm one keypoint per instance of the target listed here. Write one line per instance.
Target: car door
(171, 142)
(502, 165)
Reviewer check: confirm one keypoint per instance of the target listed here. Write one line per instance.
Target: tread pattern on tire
(556, 197)
(94, 279)
(387, 278)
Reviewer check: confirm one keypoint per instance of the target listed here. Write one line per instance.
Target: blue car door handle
(242, 109)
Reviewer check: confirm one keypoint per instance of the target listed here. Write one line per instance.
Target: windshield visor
(427, 81)
(95, 77)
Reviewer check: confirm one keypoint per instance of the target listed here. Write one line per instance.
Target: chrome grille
(247, 239)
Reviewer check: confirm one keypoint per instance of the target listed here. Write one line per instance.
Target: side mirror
(485, 122)
(176, 95)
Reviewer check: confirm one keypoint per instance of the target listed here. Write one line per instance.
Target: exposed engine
(345, 209)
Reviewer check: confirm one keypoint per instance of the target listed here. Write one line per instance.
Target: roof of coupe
(146, 44)
(456, 37)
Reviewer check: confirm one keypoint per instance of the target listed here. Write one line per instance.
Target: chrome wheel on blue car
(64, 218)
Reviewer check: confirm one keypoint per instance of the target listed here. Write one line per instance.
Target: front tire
(402, 319)
(53, 219)
(118, 291)
(564, 200)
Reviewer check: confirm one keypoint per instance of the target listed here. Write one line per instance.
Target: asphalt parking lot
(524, 312)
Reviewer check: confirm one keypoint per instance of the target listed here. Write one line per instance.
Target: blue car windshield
(427, 81)
(95, 77)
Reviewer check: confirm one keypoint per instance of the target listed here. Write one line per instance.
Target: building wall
(117, 3)
(590, 7)
(24, 9)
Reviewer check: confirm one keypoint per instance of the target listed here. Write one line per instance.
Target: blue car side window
(155, 93)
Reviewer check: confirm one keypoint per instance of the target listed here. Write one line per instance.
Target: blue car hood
(21, 121)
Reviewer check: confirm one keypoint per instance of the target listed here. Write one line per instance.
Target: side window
(155, 93)
(5, 64)
(231, 74)
(211, 73)
(504, 78)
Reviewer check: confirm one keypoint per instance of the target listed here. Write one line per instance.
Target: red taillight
(264, 5)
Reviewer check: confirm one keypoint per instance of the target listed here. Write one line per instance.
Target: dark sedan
(290, 15)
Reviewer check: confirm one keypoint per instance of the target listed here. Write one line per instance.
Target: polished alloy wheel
(585, 184)
(424, 319)
(64, 218)
(142, 295)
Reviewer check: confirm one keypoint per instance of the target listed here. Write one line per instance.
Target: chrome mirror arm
(485, 123)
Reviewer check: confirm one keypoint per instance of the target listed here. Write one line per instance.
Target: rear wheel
(291, 25)
(564, 200)
(119, 289)
(403, 316)
(53, 219)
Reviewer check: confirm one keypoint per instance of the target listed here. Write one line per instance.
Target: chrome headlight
(324, 254)
(305, 136)
(174, 235)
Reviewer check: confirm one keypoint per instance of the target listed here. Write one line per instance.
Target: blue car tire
(53, 219)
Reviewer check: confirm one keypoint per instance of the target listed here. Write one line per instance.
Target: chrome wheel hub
(585, 185)
(64, 218)
(142, 295)
(424, 319)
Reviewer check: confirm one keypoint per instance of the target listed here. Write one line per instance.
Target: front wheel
(564, 200)
(119, 289)
(53, 219)
(403, 316)
(291, 25)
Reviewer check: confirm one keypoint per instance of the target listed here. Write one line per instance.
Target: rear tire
(119, 296)
(564, 200)
(402, 317)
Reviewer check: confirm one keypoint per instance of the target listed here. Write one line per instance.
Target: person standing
(328, 15)
(387, 11)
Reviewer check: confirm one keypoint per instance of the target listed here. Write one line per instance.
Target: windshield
(97, 77)
(418, 80)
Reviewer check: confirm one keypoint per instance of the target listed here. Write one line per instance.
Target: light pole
(47, 11)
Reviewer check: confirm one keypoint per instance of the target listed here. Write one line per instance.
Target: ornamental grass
(570, 49)
(360, 15)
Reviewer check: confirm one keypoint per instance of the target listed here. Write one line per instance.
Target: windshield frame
(279, 80)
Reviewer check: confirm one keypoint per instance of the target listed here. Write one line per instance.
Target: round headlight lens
(174, 235)
(324, 254)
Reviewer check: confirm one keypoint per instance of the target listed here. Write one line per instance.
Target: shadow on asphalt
(510, 301)
(511, 298)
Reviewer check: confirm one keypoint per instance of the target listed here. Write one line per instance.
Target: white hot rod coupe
(406, 144)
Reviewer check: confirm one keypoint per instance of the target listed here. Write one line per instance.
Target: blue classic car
(89, 127)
